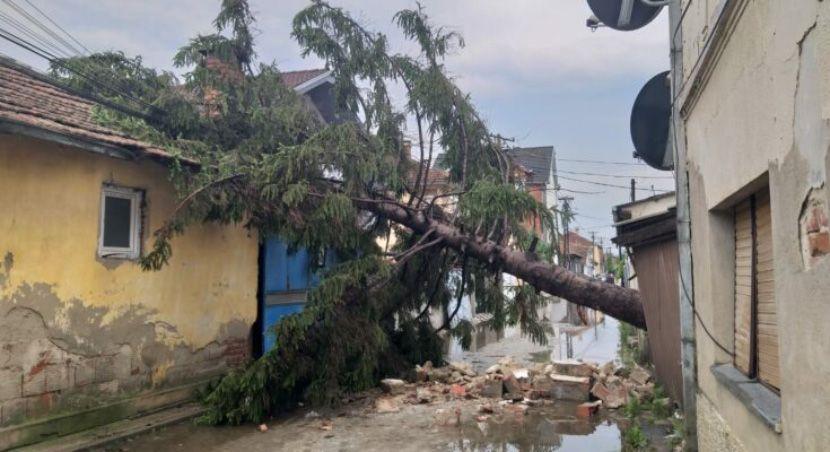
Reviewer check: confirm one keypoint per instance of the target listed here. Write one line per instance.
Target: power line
(40, 39)
(600, 162)
(50, 57)
(26, 15)
(612, 185)
(59, 27)
(621, 176)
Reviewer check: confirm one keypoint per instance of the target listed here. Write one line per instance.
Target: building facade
(754, 103)
(87, 336)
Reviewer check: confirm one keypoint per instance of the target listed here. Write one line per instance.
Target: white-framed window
(120, 229)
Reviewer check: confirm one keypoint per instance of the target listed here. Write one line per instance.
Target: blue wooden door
(287, 275)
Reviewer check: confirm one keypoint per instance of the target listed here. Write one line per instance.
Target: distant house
(581, 255)
(317, 87)
(84, 332)
(540, 180)
(648, 229)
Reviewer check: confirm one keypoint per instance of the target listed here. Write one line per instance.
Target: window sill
(759, 400)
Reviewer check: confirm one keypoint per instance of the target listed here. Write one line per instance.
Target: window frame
(136, 198)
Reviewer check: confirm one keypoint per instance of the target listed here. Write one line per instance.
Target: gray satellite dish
(624, 15)
(650, 121)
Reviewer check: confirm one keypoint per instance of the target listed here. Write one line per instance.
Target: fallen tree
(266, 160)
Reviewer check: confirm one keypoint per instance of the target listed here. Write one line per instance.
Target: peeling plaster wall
(76, 329)
(763, 116)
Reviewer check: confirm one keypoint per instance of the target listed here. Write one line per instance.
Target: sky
(532, 67)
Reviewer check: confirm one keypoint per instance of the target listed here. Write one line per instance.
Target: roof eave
(308, 85)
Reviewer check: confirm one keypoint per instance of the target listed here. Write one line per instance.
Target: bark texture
(619, 302)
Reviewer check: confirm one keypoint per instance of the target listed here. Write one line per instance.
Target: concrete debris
(542, 383)
(566, 387)
(422, 372)
(494, 369)
(574, 368)
(463, 368)
(613, 395)
(521, 374)
(393, 386)
(639, 375)
(511, 385)
(492, 389)
(423, 395)
(312, 415)
(608, 368)
(386, 405)
(458, 390)
(608, 386)
(588, 409)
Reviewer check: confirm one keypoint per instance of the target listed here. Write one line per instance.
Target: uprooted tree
(264, 159)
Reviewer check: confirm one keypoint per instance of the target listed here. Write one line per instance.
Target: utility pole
(566, 219)
(633, 190)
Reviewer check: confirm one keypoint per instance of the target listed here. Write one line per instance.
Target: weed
(632, 408)
(634, 438)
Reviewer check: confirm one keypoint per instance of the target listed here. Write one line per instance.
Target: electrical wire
(50, 57)
(600, 162)
(59, 27)
(603, 184)
(620, 176)
(25, 14)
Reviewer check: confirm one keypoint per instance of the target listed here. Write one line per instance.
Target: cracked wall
(763, 118)
(77, 330)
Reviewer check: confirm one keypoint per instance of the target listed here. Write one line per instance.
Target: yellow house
(86, 336)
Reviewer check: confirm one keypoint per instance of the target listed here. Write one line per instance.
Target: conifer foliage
(252, 152)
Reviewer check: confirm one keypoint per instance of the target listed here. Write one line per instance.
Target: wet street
(444, 425)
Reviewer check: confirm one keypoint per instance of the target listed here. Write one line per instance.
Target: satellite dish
(650, 119)
(624, 15)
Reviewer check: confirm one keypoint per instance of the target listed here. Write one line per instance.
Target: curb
(100, 436)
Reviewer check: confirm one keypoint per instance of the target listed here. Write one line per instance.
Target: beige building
(755, 110)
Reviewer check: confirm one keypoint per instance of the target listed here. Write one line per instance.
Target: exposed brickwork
(815, 227)
(236, 352)
(38, 376)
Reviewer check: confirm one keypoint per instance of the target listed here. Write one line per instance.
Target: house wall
(762, 116)
(77, 330)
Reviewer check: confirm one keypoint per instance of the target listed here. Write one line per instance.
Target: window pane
(117, 222)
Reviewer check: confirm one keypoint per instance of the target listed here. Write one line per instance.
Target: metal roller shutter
(766, 311)
(743, 287)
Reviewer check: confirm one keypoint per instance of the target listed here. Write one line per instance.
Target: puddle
(548, 428)
(597, 343)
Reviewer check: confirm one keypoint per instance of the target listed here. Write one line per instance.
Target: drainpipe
(686, 295)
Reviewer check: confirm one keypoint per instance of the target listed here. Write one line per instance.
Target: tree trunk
(619, 302)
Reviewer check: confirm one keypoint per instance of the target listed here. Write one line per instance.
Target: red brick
(819, 243)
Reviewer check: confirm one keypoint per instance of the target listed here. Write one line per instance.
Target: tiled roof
(293, 79)
(437, 179)
(30, 99)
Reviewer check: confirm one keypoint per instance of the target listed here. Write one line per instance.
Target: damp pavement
(444, 425)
